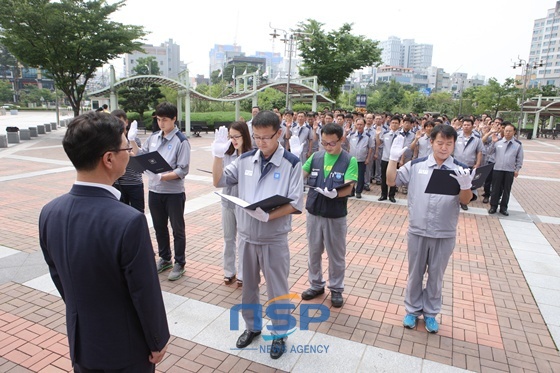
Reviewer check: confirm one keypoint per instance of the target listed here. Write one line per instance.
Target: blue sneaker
(409, 321)
(432, 325)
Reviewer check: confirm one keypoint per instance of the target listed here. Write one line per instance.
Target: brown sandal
(229, 280)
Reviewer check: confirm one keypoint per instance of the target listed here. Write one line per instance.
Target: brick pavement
(489, 322)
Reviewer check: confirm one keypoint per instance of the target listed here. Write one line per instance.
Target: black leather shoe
(278, 348)
(474, 197)
(492, 210)
(336, 299)
(311, 293)
(486, 200)
(377, 182)
(246, 338)
(382, 198)
(464, 207)
(366, 188)
(358, 195)
(392, 199)
(504, 212)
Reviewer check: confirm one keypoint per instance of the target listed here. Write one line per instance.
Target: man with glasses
(166, 198)
(263, 236)
(101, 259)
(326, 207)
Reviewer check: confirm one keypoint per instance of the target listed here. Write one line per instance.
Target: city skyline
(479, 38)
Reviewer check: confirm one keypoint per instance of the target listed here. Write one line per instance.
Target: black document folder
(152, 161)
(441, 181)
(267, 204)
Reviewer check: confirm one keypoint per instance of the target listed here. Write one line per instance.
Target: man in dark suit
(101, 258)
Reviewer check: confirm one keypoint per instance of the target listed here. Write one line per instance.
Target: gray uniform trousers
(433, 253)
(273, 259)
(369, 169)
(229, 226)
(329, 233)
(377, 173)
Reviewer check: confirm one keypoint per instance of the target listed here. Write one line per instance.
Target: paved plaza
(501, 301)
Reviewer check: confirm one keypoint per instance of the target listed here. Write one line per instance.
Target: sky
(481, 37)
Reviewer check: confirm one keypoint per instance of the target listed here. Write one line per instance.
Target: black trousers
(164, 208)
(132, 195)
(384, 186)
(361, 176)
(501, 187)
(143, 367)
(488, 184)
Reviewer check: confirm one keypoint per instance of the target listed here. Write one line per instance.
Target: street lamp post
(290, 39)
(526, 68)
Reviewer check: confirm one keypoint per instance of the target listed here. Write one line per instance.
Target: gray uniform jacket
(466, 150)
(359, 147)
(176, 150)
(230, 190)
(282, 175)
(508, 155)
(430, 215)
(387, 138)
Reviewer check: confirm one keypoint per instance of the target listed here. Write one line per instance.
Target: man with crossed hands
(432, 222)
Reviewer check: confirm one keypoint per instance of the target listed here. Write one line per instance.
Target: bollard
(53, 126)
(41, 129)
(33, 132)
(47, 127)
(24, 134)
(3, 141)
(13, 137)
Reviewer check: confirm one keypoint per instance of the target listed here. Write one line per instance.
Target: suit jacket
(101, 260)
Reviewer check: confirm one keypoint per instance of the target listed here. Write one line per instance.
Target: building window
(550, 82)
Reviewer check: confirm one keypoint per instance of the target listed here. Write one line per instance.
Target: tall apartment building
(406, 53)
(167, 55)
(545, 48)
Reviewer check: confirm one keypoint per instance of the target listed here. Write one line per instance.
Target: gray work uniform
(371, 164)
(432, 229)
(166, 199)
(424, 146)
(326, 221)
(408, 139)
(379, 150)
(360, 144)
(229, 226)
(509, 159)
(305, 133)
(467, 149)
(265, 244)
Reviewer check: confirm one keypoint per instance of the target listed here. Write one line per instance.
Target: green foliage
(494, 96)
(169, 94)
(6, 91)
(139, 97)
(146, 66)
(218, 116)
(30, 94)
(333, 56)
(68, 38)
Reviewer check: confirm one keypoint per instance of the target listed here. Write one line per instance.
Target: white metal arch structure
(303, 89)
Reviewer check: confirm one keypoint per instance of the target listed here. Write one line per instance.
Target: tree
(139, 98)
(333, 56)
(494, 96)
(68, 39)
(31, 94)
(146, 66)
(6, 92)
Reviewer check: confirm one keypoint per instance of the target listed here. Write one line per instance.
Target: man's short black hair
(89, 136)
(332, 129)
(167, 110)
(396, 117)
(447, 132)
(266, 118)
(120, 113)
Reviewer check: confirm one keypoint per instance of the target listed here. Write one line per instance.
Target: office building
(221, 54)
(167, 56)
(545, 48)
(407, 53)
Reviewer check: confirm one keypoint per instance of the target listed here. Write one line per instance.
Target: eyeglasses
(331, 144)
(121, 150)
(117, 150)
(264, 138)
(235, 137)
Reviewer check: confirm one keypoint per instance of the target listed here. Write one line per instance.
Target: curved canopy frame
(299, 89)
